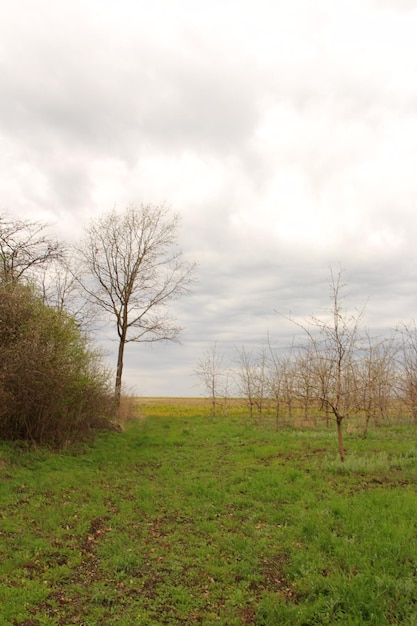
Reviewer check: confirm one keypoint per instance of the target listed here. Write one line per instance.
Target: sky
(283, 133)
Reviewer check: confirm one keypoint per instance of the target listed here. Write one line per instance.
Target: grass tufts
(183, 518)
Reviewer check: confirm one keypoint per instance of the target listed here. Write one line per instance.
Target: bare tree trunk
(367, 420)
(340, 439)
(213, 400)
(119, 369)
(122, 324)
(250, 409)
(277, 406)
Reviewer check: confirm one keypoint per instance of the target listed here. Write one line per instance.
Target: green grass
(189, 519)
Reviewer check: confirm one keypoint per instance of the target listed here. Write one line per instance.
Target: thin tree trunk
(122, 331)
(367, 420)
(340, 439)
(277, 415)
(119, 372)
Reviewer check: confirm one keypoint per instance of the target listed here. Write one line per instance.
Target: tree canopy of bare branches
(24, 246)
(331, 350)
(132, 269)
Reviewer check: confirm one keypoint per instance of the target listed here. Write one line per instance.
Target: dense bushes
(53, 387)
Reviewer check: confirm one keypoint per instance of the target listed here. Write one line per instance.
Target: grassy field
(188, 519)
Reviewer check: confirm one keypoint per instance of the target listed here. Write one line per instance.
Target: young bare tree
(252, 379)
(24, 247)
(213, 373)
(378, 376)
(275, 382)
(132, 270)
(333, 346)
(245, 378)
(280, 381)
(306, 380)
(407, 368)
(260, 378)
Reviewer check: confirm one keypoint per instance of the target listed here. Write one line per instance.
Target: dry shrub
(53, 388)
(128, 409)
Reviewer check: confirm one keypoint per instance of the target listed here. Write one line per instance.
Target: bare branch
(24, 247)
(332, 356)
(132, 270)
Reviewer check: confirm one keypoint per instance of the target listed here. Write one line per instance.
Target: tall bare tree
(132, 270)
(24, 247)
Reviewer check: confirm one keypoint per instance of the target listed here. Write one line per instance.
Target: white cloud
(283, 132)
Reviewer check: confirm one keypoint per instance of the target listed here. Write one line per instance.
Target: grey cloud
(70, 181)
(110, 95)
(205, 104)
(298, 118)
(118, 99)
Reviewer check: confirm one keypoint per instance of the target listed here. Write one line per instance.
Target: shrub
(53, 387)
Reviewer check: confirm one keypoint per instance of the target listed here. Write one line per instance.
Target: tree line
(125, 270)
(334, 370)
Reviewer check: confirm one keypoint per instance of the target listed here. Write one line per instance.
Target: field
(184, 518)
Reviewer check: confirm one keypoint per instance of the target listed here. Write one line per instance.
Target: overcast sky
(284, 133)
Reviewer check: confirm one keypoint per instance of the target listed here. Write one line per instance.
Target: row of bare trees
(333, 371)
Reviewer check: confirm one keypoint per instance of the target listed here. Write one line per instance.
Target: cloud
(284, 134)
